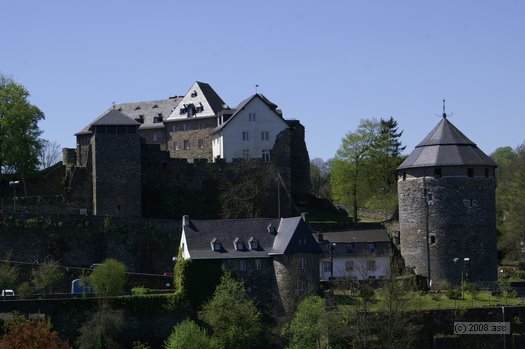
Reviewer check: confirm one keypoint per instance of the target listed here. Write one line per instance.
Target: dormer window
(194, 93)
(155, 106)
(272, 229)
(216, 245)
(199, 108)
(238, 244)
(137, 107)
(157, 119)
(183, 110)
(140, 119)
(254, 244)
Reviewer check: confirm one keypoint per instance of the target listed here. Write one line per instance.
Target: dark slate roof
(112, 117)
(367, 235)
(215, 101)
(445, 145)
(243, 104)
(269, 233)
(149, 110)
(293, 236)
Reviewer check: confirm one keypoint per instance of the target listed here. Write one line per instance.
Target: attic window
(140, 119)
(137, 107)
(216, 245)
(199, 108)
(194, 93)
(157, 119)
(272, 229)
(155, 106)
(238, 244)
(254, 244)
(183, 110)
(119, 109)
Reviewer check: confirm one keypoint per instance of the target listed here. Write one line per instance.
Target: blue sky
(326, 63)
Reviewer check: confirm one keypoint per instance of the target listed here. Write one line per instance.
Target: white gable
(193, 104)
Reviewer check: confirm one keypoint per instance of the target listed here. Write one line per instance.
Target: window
(239, 244)
(470, 172)
(155, 137)
(430, 198)
(200, 143)
(157, 119)
(176, 145)
(216, 245)
(350, 247)
(254, 245)
(303, 263)
(258, 264)
(404, 176)
(186, 144)
(349, 265)
(194, 93)
(371, 247)
(265, 135)
(327, 267)
(251, 116)
(246, 153)
(432, 239)
(486, 172)
(371, 265)
(245, 136)
(242, 264)
(265, 155)
(437, 172)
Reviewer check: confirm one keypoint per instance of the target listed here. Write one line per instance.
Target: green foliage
(101, 330)
(20, 142)
(140, 291)
(320, 178)
(188, 335)
(181, 270)
(46, 275)
(453, 293)
(108, 226)
(25, 290)
(311, 326)
(195, 281)
(109, 278)
(140, 345)
(8, 275)
(232, 315)
(14, 318)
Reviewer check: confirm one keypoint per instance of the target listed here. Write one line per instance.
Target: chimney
(304, 216)
(185, 220)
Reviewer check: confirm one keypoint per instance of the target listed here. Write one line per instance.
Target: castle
(447, 210)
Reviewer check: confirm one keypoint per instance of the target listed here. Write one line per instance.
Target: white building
(248, 131)
(357, 255)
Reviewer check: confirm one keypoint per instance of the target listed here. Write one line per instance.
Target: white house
(357, 255)
(249, 131)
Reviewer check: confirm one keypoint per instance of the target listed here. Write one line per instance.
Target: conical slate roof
(445, 145)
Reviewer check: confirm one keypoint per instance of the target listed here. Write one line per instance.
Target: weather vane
(256, 88)
(444, 112)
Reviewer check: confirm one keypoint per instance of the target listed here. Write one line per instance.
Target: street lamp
(331, 249)
(14, 184)
(466, 259)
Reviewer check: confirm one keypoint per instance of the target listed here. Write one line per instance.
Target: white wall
(266, 120)
(187, 99)
(382, 269)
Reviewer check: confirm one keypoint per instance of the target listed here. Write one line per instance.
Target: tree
(8, 275)
(109, 278)
(232, 315)
(101, 330)
(188, 335)
(46, 276)
(347, 168)
(49, 154)
(34, 334)
(20, 143)
(320, 178)
(312, 325)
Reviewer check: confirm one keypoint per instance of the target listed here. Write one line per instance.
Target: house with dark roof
(278, 259)
(447, 211)
(355, 255)
(249, 130)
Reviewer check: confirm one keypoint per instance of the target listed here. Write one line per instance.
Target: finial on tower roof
(444, 113)
(256, 88)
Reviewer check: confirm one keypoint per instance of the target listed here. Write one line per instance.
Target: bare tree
(49, 154)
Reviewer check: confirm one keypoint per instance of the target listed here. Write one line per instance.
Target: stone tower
(447, 210)
(116, 165)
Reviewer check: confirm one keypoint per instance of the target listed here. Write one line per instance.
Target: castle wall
(458, 222)
(116, 172)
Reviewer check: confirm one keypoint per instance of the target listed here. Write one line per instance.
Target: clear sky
(326, 63)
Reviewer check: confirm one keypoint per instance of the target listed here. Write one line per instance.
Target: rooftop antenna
(256, 88)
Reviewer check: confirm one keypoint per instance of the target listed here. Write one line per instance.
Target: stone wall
(461, 222)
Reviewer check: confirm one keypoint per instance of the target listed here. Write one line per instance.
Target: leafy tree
(101, 331)
(348, 173)
(47, 275)
(232, 315)
(188, 335)
(8, 275)
(109, 278)
(312, 325)
(20, 143)
(34, 334)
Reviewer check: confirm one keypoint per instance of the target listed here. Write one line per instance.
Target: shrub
(25, 290)
(34, 334)
(453, 293)
(109, 278)
(140, 291)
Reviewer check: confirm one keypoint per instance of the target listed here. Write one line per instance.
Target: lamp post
(14, 184)
(466, 259)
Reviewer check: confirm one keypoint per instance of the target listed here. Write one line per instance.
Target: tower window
(486, 172)
(432, 239)
(437, 172)
(470, 172)
(404, 176)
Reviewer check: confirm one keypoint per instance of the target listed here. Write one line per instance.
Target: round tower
(447, 209)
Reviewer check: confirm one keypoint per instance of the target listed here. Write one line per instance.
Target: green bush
(140, 291)
(453, 293)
